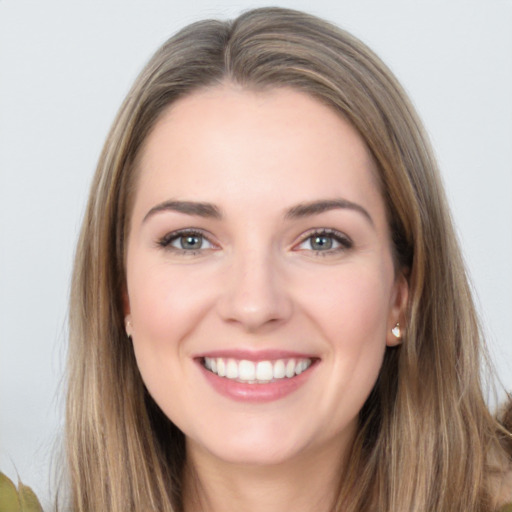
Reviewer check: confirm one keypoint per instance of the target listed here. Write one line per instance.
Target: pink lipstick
(256, 376)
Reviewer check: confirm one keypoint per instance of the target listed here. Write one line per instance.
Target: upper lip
(255, 355)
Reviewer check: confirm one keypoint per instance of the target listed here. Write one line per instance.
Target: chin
(255, 443)
(263, 454)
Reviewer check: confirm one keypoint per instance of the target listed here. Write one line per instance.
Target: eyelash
(344, 242)
(166, 241)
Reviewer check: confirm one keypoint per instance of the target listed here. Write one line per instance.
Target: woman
(269, 308)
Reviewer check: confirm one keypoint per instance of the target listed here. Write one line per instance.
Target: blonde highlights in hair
(425, 432)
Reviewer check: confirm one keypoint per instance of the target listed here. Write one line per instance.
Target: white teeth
(290, 368)
(264, 370)
(279, 370)
(253, 373)
(221, 367)
(232, 369)
(246, 370)
(301, 366)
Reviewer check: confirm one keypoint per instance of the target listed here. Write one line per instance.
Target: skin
(259, 282)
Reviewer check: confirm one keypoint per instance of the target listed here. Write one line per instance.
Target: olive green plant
(21, 499)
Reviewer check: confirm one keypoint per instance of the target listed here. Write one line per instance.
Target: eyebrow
(209, 210)
(321, 206)
(206, 210)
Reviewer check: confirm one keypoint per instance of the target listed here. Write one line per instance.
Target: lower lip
(243, 392)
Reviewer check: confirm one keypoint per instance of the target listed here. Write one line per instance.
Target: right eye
(186, 241)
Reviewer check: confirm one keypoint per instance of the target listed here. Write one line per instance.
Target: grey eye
(321, 242)
(191, 242)
(325, 241)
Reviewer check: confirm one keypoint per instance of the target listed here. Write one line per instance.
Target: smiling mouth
(260, 372)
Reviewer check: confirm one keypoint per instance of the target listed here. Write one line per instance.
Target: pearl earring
(128, 328)
(397, 333)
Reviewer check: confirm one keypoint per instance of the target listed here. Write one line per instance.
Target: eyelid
(165, 242)
(344, 241)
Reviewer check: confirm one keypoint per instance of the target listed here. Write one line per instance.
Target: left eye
(325, 241)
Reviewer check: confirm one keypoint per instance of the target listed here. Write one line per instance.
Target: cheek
(167, 303)
(164, 302)
(351, 311)
(163, 311)
(353, 305)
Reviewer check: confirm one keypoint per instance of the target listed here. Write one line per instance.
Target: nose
(255, 296)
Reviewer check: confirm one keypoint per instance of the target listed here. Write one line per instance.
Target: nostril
(253, 316)
(255, 295)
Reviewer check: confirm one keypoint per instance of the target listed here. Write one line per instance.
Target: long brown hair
(425, 432)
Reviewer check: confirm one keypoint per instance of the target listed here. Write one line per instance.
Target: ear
(398, 306)
(127, 313)
(128, 326)
(125, 301)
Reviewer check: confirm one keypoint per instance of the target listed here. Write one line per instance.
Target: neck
(309, 482)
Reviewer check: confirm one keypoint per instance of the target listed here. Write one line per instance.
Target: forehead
(223, 141)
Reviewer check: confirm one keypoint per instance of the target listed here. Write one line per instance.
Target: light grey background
(64, 69)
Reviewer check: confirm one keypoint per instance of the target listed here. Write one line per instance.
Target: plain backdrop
(64, 70)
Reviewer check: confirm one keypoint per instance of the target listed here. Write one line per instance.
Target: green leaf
(9, 501)
(28, 499)
(22, 499)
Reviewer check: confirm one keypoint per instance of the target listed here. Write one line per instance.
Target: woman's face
(261, 291)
